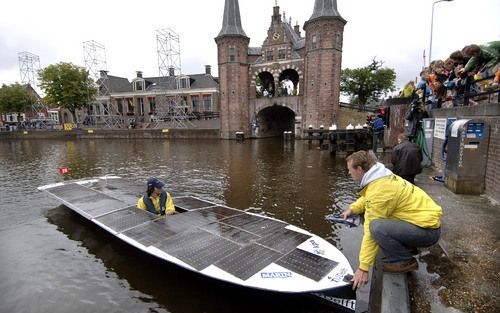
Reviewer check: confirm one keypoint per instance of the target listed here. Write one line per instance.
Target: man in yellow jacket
(156, 200)
(399, 217)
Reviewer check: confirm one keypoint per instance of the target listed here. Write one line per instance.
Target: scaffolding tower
(169, 52)
(101, 112)
(170, 109)
(94, 56)
(29, 65)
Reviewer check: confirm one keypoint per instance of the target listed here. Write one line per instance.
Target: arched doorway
(265, 85)
(289, 81)
(274, 120)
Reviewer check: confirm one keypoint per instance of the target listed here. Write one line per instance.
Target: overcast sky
(394, 31)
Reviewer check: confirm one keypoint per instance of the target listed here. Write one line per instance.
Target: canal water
(53, 260)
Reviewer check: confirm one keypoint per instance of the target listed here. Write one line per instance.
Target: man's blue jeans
(397, 238)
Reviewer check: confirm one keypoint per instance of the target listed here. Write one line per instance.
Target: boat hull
(214, 240)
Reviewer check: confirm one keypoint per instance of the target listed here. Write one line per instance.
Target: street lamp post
(432, 26)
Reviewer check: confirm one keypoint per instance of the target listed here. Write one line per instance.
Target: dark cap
(155, 182)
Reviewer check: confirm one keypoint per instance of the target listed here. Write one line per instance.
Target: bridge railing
(341, 140)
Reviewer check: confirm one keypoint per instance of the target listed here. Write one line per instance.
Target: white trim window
(232, 54)
(183, 82)
(195, 100)
(139, 85)
(314, 41)
(207, 103)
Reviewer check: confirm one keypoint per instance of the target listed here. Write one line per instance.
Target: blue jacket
(378, 124)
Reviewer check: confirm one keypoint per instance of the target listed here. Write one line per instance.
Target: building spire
(325, 8)
(231, 24)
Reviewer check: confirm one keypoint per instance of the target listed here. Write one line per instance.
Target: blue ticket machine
(467, 156)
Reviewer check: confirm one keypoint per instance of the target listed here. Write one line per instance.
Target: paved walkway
(462, 272)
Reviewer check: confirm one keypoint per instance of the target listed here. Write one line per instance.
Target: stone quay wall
(176, 133)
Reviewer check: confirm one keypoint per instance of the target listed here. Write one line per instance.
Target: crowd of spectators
(465, 77)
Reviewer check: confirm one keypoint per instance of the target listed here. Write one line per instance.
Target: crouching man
(399, 217)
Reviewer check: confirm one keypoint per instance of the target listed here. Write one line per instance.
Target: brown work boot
(400, 267)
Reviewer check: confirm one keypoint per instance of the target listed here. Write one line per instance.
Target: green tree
(67, 85)
(16, 98)
(367, 83)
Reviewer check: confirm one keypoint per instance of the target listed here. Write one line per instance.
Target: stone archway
(289, 80)
(265, 85)
(272, 121)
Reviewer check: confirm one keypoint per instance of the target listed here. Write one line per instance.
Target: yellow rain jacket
(169, 207)
(388, 196)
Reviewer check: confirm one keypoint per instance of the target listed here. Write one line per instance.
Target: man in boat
(399, 217)
(156, 200)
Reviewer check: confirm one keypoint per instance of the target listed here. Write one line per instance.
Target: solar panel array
(237, 242)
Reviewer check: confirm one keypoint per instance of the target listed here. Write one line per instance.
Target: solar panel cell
(230, 233)
(283, 240)
(126, 218)
(85, 199)
(307, 264)
(255, 224)
(197, 248)
(190, 203)
(150, 233)
(248, 261)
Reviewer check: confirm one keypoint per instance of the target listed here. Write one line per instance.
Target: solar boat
(217, 241)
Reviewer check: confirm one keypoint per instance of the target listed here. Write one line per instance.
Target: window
(53, 115)
(105, 108)
(232, 54)
(130, 105)
(97, 109)
(338, 40)
(269, 55)
(207, 103)
(140, 102)
(171, 103)
(119, 104)
(152, 105)
(183, 82)
(196, 103)
(139, 85)
(314, 42)
(281, 54)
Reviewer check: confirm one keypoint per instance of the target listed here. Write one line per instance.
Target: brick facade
(233, 88)
(322, 71)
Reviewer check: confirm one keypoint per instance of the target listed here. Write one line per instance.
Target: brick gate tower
(288, 83)
(232, 54)
(323, 60)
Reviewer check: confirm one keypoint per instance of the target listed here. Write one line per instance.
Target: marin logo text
(276, 274)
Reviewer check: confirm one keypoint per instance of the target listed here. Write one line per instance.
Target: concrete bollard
(287, 135)
(240, 136)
